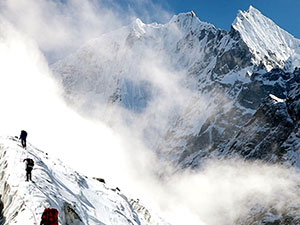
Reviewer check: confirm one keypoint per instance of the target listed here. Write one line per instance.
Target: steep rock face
(2, 219)
(271, 216)
(226, 73)
(263, 135)
(274, 126)
(237, 92)
(255, 125)
(237, 57)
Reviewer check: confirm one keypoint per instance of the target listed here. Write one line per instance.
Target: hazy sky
(222, 13)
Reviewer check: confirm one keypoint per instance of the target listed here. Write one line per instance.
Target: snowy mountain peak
(139, 23)
(251, 12)
(138, 27)
(193, 13)
(254, 11)
(189, 21)
(270, 45)
(252, 8)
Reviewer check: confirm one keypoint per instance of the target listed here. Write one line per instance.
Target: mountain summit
(268, 43)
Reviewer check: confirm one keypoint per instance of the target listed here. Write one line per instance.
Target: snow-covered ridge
(269, 44)
(121, 68)
(79, 199)
(189, 21)
(186, 22)
(107, 68)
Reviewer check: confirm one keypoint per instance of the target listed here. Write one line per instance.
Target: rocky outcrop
(263, 136)
(70, 217)
(235, 58)
(260, 123)
(140, 209)
(272, 216)
(274, 126)
(144, 213)
(2, 218)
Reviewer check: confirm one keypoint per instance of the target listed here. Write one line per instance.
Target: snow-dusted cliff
(79, 199)
(269, 44)
(186, 86)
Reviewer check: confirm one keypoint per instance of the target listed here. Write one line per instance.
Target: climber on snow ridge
(23, 137)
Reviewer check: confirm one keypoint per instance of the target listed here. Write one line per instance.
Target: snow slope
(79, 199)
(115, 67)
(123, 66)
(269, 44)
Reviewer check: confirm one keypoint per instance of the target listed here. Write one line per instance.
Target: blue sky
(221, 13)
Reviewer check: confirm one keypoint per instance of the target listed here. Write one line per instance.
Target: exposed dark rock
(293, 102)
(272, 217)
(269, 134)
(2, 218)
(220, 34)
(140, 209)
(238, 57)
(252, 93)
(234, 34)
(100, 180)
(69, 215)
(263, 135)
(116, 189)
(202, 35)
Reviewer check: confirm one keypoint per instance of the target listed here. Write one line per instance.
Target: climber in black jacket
(29, 168)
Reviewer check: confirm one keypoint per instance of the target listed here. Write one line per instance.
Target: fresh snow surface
(189, 21)
(79, 199)
(125, 66)
(268, 41)
(276, 99)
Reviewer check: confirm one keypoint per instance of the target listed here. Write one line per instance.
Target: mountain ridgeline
(238, 90)
(80, 200)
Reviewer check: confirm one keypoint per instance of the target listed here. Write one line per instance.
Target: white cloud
(60, 27)
(224, 191)
(30, 100)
